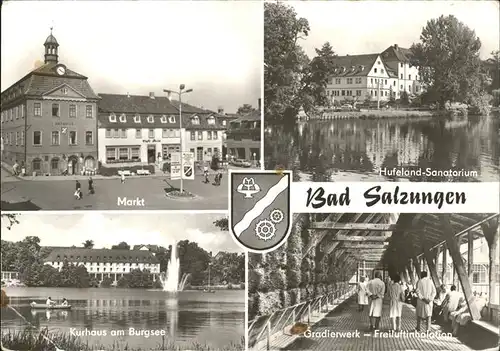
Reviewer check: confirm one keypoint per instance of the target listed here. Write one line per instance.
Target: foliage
(11, 218)
(245, 109)
(136, 279)
(214, 164)
(496, 97)
(121, 246)
(404, 99)
(88, 244)
(285, 62)
(448, 60)
(222, 224)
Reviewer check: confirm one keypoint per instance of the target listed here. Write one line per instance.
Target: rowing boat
(42, 306)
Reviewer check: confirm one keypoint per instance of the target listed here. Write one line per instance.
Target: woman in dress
(396, 298)
(362, 294)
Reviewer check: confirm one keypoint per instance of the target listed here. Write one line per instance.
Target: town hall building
(49, 119)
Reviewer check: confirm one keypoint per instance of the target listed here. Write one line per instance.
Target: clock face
(61, 70)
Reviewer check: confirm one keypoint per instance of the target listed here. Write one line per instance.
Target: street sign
(188, 165)
(175, 165)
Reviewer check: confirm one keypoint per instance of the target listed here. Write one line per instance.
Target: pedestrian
(362, 294)
(15, 168)
(426, 291)
(122, 177)
(91, 186)
(205, 173)
(376, 291)
(396, 299)
(438, 302)
(78, 192)
(220, 178)
(450, 302)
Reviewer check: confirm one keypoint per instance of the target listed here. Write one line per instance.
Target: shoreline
(372, 114)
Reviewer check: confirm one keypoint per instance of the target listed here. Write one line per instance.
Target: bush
(215, 163)
(267, 303)
(113, 171)
(166, 167)
(106, 282)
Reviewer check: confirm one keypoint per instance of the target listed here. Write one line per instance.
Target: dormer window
(151, 119)
(64, 91)
(123, 118)
(137, 119)
(112, 118)
(211, 120)
(163, 119)
(171, 119)
(195, 120)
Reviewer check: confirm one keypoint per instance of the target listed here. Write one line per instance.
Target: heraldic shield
(260, 218)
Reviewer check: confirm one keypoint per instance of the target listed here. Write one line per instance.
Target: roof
(396, 53)
(122, 103)
(51, 40)
(354, 65)
(100, 255)
(252, 116)
(45, 78)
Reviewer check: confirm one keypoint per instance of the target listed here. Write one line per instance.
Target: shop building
(243, 137)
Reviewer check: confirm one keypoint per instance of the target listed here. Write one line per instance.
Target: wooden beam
(492, 233)
(364, 246)
(418, 269)
(454, 248)
(378, 227)
(361, 238)
(444, 268)
(470, 254)
(431, 259)
(318, 236)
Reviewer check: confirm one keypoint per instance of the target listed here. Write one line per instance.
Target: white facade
(100, 267)
(408, 79)
(204, 144)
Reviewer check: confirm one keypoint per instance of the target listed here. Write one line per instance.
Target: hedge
(113, 171)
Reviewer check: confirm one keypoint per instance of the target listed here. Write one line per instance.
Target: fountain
(170, 279)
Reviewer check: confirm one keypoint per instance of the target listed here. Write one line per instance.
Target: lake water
(212, 320)
(356, 150)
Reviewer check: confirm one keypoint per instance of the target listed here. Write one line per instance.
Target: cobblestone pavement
(346, 318)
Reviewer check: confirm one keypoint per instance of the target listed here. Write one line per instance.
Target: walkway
(346, 318)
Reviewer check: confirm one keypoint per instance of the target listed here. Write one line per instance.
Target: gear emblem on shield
(265, 229)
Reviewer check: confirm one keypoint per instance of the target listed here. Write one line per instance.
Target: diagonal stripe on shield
(260, 218)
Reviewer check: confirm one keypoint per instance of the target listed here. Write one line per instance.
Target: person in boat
(64, 302)
(50, 302)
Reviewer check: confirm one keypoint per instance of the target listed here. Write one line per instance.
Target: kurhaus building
(101, 263)
(48, 119)
(146, 130)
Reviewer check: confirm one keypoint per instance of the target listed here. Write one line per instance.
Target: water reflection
(214, 320)
(358, 149)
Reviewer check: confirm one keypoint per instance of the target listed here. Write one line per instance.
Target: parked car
(346, 107)
(238, 162)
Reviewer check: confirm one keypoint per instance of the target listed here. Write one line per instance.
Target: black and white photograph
(378, 281)
(130, 105)
(382, 90)
(94, 281)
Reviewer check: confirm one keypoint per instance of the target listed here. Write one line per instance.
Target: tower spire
(51, 47)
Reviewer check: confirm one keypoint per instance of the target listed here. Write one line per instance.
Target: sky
(365, 27)
(215, 48)
(107, 229)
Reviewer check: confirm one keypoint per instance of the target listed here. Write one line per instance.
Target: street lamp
(180, 92)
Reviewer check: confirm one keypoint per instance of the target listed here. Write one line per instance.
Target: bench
(126, 172)
(143, 172)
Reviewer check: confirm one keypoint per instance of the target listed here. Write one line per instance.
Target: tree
(88, 244)
(245, 109)
(11, 219)
(405, 99)
(320, 69)
(121, 246)
(285, 63)
(222, 224)
(448, 60)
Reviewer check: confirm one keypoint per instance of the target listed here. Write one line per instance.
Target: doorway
(72, 165)
(151, 153)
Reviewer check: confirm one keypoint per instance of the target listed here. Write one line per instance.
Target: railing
(264, 327)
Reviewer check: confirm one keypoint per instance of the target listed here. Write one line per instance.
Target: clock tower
(51, 46)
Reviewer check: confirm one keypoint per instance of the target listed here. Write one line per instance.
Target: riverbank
(373, 114)
(38, 341)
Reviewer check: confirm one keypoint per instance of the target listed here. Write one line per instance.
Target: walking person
(396, 299)
(78, 192)
(362, 294)
(91, 186)
(205, 174)
(376, 291)
(426, 291)
(122, 178)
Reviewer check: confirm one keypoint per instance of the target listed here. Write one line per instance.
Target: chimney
(260, 104)
(220, 110)
(151, 95)
(128, 95)
(169, 96)
(396, 46)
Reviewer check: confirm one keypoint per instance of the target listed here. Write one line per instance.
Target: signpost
(188, 165)
(175, 165)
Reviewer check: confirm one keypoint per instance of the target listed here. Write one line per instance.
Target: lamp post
(180, 92)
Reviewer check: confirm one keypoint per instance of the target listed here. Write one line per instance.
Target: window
(211, 120)
(168, 133)
(89, 138)
(375, 93)
(112, 118)
(22, 138)
(64, 91)
(55, 140)
(385, 82)
(343, 92)
(382, 70)
(116, 133)
(37, 164)
(123, 133)
(163, 119)
(401, 65)
(200, 135)
(378, 62)
(358, 92)
(123, 118)
(89, 111)
(17, 138)
(358, 80)
(72, 137)
(138, 134)
(214, 135)
(37, 138)
(151, 119)
(375, 70)
(371, 80)
(123, 153)
(337, 81)
(209, 135)
(151, 133)
(16, 115)
(54, 163)
(195, 120)
(409, 76)
(401, 75)
(171, 119)
(38, 109)
(137, 119)
(55, 110)
(108, 133)
(394, 83)
(193, 136)
(409, 88)
(110, 154)
(135, 153)
(22, 111)
(349, 80)
(401, 86)
(72, 111)
(416, 89)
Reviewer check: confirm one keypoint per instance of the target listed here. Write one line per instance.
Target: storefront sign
(151, 141)
(63, 124)
(175, 165)
(188, 165)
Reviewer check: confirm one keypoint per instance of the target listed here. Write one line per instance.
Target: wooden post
(418, 269)
(268, 326)
(491, 233)
(456, 257)
(456, 280)
(431, 258)
(444, 261)
(411, 273)
(470, 254)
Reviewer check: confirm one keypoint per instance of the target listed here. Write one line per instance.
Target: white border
(285, 238)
